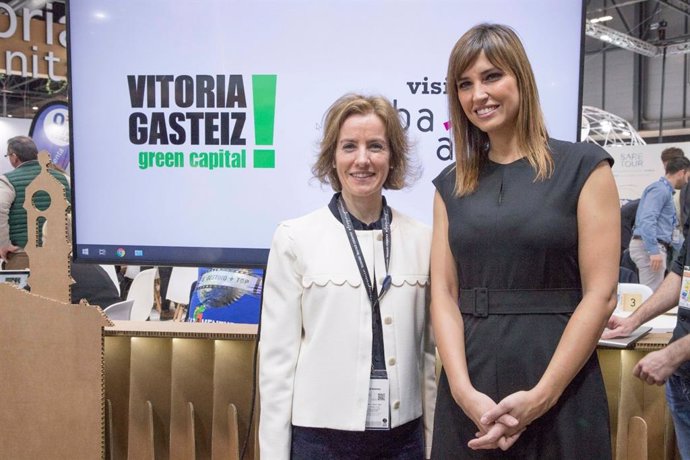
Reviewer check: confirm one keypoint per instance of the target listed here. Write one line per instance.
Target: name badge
(684, 299)
(378, 409)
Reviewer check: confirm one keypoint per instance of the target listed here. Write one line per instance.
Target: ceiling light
(34, 107)
(601, 19)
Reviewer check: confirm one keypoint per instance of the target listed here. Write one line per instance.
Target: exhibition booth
(179, 158)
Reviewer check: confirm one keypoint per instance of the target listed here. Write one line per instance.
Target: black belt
(661, 242)
(483, 302)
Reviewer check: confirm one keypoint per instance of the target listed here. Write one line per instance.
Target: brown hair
(670, 153)
(355, 104)
(502, 47)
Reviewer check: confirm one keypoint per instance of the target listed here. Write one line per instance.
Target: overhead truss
(634, 44)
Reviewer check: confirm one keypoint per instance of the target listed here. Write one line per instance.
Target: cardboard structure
(50, 274)
(51, 352)
(641, 424)
(51, 383)
(180, 390)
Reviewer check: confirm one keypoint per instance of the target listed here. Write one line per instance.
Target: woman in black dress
(524, 265)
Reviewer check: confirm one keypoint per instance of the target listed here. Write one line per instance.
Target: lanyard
(357, 251)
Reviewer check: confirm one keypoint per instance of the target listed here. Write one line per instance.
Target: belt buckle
(481, 302)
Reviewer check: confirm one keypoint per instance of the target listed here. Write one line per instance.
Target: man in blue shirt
(655, 222)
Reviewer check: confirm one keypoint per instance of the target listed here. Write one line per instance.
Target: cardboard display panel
(641, 425)
(50, 276)
(232, 396)
(180, 390)
(149, 397)
(117, 371)
(51, 379)
(191, 413)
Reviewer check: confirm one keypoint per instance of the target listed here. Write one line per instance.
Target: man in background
(678, 199)
(655, 222)
(22, 154)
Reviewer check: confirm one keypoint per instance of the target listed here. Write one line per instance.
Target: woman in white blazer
(346, 353)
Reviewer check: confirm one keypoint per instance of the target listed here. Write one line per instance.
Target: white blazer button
(379, 236)
(396, 405)
(388, 320)
(391, 361)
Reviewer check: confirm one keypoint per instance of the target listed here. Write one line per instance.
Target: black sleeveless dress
(515, 235)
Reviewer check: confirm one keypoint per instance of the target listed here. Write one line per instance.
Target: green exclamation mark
(264, 94)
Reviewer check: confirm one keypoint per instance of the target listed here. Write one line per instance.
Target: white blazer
(315, 345)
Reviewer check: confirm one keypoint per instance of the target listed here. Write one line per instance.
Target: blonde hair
(503, 49)
(356, 104)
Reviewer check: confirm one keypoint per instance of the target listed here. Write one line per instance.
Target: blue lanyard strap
(357, 250)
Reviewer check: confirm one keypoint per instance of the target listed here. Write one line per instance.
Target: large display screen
(194, 125)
